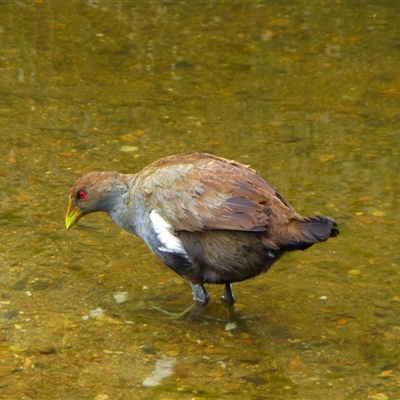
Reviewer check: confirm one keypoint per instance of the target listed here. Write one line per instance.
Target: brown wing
(196, 192)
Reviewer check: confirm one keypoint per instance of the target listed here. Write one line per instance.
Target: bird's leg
(200, 300)
(229, 299)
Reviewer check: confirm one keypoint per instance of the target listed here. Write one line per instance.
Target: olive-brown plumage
(209, 219)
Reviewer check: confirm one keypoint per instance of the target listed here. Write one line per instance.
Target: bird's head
(95, 191)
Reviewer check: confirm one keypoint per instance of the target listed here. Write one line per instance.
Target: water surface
(307, 93)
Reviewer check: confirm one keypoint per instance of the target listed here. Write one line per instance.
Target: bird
(209, 219)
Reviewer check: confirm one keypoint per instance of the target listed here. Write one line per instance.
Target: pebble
(288, 139)
(326, 157)
(149, 349)
(385, 374)
(19, 284)
(6, 370)
(354, 272)
(97, 312)
(256, 380)
(294, 363)
(378, 213)
(46, 349)
(381, 304)
(276, 124)
(91, 357)
(129, 148)
(17, 349)
(378, 396)
(215, 351)
(215, 374)
(241, 373)
(101, 397)
(120, 297)
(230, 326)
(66, 154)
(75, 267)
(40, 284)
(249, 359)
(11, 314)
(132, 136)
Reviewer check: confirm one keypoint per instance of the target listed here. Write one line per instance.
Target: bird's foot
(200, 300)
(191, 312)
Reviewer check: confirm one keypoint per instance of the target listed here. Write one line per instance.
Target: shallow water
(307, 93)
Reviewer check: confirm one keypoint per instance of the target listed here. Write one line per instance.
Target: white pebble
(121, 297)
(230, 326)
(98, 312)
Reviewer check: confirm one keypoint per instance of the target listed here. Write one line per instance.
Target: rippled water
(307, 93)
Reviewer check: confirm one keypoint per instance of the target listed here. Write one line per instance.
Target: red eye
(81, 194)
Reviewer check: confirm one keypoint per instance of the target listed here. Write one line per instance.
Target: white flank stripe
(169, 242)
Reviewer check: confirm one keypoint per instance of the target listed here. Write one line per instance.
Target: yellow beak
(74, 214)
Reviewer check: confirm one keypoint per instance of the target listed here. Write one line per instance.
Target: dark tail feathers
(319, 228)
(310, 230)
